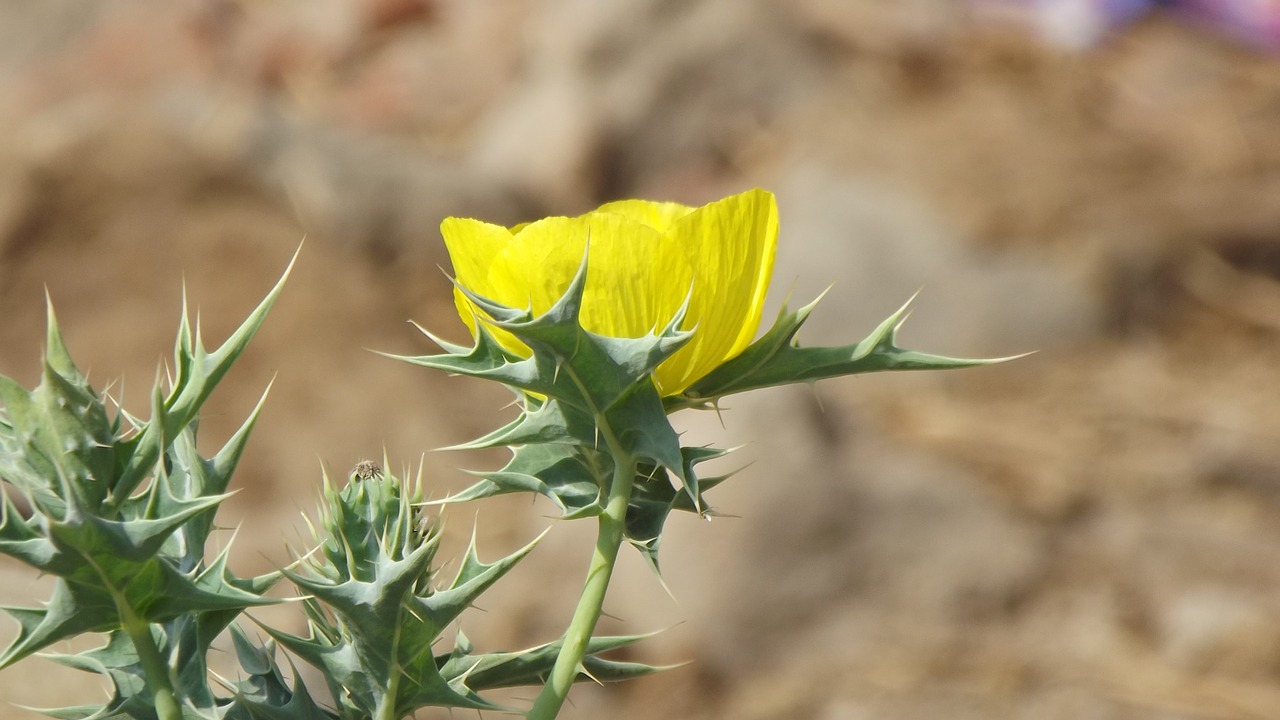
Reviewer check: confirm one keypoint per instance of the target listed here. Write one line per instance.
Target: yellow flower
(645, 258)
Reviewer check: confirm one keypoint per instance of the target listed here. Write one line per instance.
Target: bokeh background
(1089, 532)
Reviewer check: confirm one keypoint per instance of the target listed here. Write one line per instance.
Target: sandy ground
(1088, 532)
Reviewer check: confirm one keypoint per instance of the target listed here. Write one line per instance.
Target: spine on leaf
(377, 610)
(119, 510)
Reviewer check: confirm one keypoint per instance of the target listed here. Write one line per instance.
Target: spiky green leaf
(198, 372)
(488, 671)
(777, 359)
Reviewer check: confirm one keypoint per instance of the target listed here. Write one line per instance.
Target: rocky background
(1089, 532)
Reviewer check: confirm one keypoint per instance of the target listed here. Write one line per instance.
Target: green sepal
(588, 398)
(579, 368)
(777, 359)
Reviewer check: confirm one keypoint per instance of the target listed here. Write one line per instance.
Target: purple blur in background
(1082, 23)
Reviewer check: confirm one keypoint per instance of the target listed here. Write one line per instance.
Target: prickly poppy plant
(603, 325)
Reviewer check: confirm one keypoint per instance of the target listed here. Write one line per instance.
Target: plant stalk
(578, 635)
(386, 709)
(153, 666)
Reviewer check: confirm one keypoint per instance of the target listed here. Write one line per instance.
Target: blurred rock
(878, 28)
(886, 245)
(1215, 629)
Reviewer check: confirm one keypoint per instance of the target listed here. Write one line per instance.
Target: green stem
(386, 708)
(153, 666)
(578, 635)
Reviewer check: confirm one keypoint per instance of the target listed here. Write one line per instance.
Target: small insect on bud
(366, 470)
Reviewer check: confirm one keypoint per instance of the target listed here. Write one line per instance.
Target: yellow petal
(657, 215)
(472, 245)
(730, 245)
(534, 270)
(637, 278)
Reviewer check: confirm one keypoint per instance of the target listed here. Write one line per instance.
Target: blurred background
(1089, 532)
